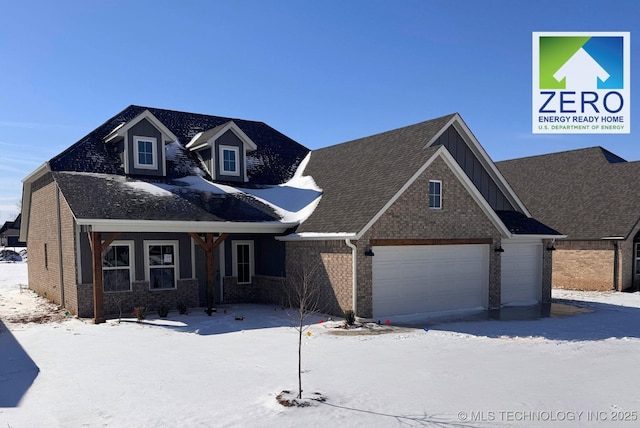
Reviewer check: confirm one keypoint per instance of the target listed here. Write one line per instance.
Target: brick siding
(263, 289)
(583, 265)
(44, 269)
(140, 295)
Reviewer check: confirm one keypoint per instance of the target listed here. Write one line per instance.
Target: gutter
(354, 273)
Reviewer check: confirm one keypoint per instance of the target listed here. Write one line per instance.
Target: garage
(521, 267)
(412, 279)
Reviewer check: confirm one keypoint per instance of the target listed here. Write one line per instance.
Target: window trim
(136, 152)
(222, 171)
(132, 261)
(234, 259)
(176, 262)
(437, 206)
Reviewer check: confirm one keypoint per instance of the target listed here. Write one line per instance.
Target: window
(243, 261)
(145, 153)
(229, 160)
(637, 258)
(162, 264)
(117, 267)
(435, 194)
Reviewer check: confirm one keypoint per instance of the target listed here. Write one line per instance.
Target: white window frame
(234, 259)
(131, 267)
(175, 265)
(438, 206)
(136, 152)
(236, 150)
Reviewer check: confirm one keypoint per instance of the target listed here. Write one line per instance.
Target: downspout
(616, 258)
(60, 261)
(354, 274)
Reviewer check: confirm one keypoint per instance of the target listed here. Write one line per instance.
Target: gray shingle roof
(586, 194)
(105, 196)
(91, 176)
(359, 177)
(274, 162)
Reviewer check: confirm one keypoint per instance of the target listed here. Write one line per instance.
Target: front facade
(132, 216)
(592, 196)
(159, 208)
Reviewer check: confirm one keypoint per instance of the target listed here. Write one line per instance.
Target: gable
(359, 177)
(461, 216)
(474, 169)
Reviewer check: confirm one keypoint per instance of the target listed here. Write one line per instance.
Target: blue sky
(320, 72)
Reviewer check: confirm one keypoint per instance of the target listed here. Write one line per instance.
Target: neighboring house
(593, 196)
(10, 233)
(157, 207)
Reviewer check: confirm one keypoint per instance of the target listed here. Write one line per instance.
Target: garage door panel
(521, 267)
(415, 279)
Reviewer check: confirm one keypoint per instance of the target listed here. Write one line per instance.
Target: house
(10, 233)
(158, 207)
(593, 196)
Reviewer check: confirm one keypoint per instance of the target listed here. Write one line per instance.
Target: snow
(195, 370)
(150, 188)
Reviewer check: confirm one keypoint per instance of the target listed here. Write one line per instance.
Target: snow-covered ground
(194, 370)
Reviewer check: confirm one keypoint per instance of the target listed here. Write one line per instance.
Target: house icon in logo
(581, 72)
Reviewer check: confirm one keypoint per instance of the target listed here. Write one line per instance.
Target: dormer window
(145, 154)
(223, 149)
(229, 157)
(140, 144)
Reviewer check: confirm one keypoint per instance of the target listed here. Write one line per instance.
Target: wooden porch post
(98, 293)
(209, 245)
(97, 248)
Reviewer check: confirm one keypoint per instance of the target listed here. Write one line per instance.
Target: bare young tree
(303, 292)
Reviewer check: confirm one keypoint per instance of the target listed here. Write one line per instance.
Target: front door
(201, 275)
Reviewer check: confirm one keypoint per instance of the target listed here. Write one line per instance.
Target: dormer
(224, 151)
(140, 144)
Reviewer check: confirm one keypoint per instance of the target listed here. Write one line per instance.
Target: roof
(520, 224)
(587, 193)
(165, 200)
(274, 161)
(273, 200)
(354, 189)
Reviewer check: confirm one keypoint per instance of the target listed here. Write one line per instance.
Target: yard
(226, 370)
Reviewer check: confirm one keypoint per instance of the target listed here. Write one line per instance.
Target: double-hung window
(243, 267)
(117, 267)
(162, 264)
(229, 160)
(145, 152)
(435, 194)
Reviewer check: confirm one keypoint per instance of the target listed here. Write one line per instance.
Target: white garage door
(426, 278)
(521, 267)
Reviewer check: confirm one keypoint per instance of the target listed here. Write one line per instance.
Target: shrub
(163, 311)
(349, 317)
(140, 312)
(182, 308)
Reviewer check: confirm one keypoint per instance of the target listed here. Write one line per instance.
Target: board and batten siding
(463, 155)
